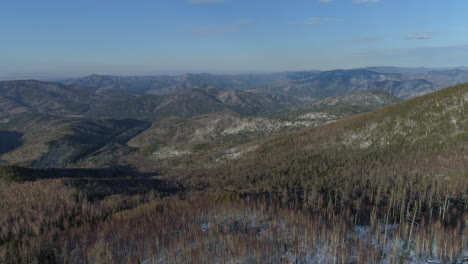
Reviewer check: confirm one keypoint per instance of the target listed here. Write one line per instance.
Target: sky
(134, 37)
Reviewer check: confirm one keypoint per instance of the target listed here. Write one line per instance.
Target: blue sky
(74, 37)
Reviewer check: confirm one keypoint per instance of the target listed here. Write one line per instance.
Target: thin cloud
(325, 1)
(321, 20)
(420, 35)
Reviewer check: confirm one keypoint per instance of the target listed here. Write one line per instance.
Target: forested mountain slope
(193, 102)
(172, 137)
(31, 96)
(372, 158)
(50, 141)
(386, 186)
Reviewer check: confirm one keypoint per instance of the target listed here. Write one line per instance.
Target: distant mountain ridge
(337, 82)
(164, 84)
(308, 85)
(412, 70)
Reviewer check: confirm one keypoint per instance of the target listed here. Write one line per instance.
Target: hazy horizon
(61, 76)
(75, 38)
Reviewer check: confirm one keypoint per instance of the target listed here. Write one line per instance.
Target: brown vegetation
(225, 229)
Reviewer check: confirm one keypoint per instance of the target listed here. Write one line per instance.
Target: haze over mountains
(170, 84)
(309, 85)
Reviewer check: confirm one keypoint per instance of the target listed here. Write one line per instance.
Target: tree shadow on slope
(96, 182)
(100, 188)
(9, 140)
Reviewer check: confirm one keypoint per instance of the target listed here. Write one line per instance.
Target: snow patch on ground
(235, 153)
(169, 152)
(362, 138)
(317, 115)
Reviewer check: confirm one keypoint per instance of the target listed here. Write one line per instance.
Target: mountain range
(54, 125)
(190, 116)
(306, 85)
(336, 82)
(164, 84)
(18, 97)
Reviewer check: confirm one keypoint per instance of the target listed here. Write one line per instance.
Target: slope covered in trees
(220, 134)
(423, 139)
(196, 101)
(51, 141)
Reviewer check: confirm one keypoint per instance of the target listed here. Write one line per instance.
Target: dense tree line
(225, 228)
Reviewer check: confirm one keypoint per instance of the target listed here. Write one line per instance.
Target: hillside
(248, 103)
(370, 99)
(390, 170)
(386, 149)
(197, 101)
(21, 96)
(402, 89)
(224, 132)
(17, 97)
(178, 137)
(48, 141)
